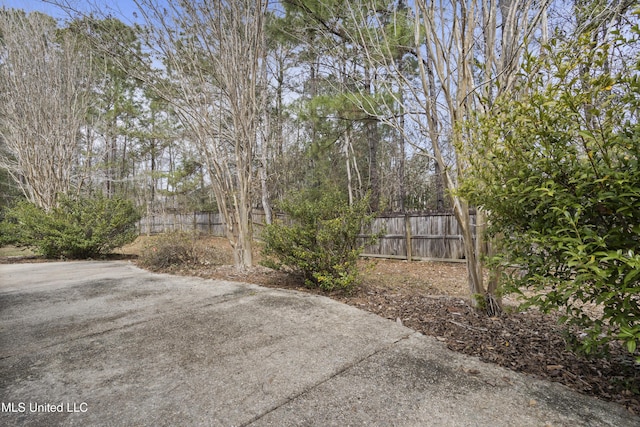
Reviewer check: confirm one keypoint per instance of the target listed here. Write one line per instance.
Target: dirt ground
(431, 298)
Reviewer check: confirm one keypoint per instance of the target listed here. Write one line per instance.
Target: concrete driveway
(105, 343)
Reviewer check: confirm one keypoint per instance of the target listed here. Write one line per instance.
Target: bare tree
(213, 54)
(43, 104)
(467, 51)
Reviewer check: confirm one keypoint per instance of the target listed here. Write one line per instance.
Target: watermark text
(41, 408)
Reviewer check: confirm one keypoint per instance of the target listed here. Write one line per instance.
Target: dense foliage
(561, 181)
(76, 228)
(318, 240)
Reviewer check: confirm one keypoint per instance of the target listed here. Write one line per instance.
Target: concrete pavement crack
(335, 374)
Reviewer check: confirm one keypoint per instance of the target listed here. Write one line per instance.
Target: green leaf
(631, 346)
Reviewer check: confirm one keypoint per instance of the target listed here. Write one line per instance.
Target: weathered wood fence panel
(392, 240)
(401, 236)
(415, 237)
(206, 222)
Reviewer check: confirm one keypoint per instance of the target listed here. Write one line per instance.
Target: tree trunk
(439, 184)
(266, 205)
(347, 154)
(244, 241)
(373, 137)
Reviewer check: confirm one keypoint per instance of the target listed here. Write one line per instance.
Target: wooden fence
(415, 236)
(206, 222)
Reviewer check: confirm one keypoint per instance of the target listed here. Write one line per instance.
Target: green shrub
(180, 248)
(320, 241)
(76, 228)
(560, 179)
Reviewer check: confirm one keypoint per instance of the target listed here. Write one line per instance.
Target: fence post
(407, 231)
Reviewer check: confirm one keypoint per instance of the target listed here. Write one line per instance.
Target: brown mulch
(528, 342)
(431, 298)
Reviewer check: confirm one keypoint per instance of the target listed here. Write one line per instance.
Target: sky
(123, 9)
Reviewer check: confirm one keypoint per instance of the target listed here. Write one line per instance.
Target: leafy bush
(76, 228)
(562, 188)
(180, 248)
(319, 239)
